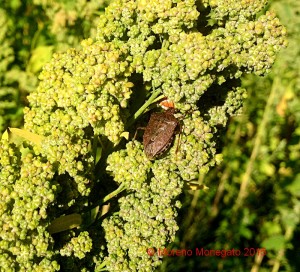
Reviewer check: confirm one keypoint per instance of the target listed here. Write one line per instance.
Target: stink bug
(159, 132)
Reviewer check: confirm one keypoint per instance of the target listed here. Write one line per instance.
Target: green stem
(93, 214)
(153, 98)
(257, 144)
(101, 267)
(114, 193)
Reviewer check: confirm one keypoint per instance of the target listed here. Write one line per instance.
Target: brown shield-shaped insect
(159, 132)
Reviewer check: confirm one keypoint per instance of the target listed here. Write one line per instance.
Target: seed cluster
(147, 214)
(27, 190)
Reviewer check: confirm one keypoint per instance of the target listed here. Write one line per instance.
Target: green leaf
(32, 137)
(276, 243)
(65, 222)
(5, 135)
(39, 57)
(246, 232)
(294, 187)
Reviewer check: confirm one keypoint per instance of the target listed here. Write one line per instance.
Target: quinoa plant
(77, 190)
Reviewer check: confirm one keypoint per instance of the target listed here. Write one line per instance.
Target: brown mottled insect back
(159, 132)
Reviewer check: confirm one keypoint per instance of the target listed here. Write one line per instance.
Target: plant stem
(114, 193)
(151, 99)
(257, 143)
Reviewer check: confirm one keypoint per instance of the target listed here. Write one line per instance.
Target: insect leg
(179, 138)
(139, 128)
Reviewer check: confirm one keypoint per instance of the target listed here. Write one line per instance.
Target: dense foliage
(77, 191)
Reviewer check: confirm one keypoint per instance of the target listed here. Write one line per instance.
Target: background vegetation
(253, 197)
